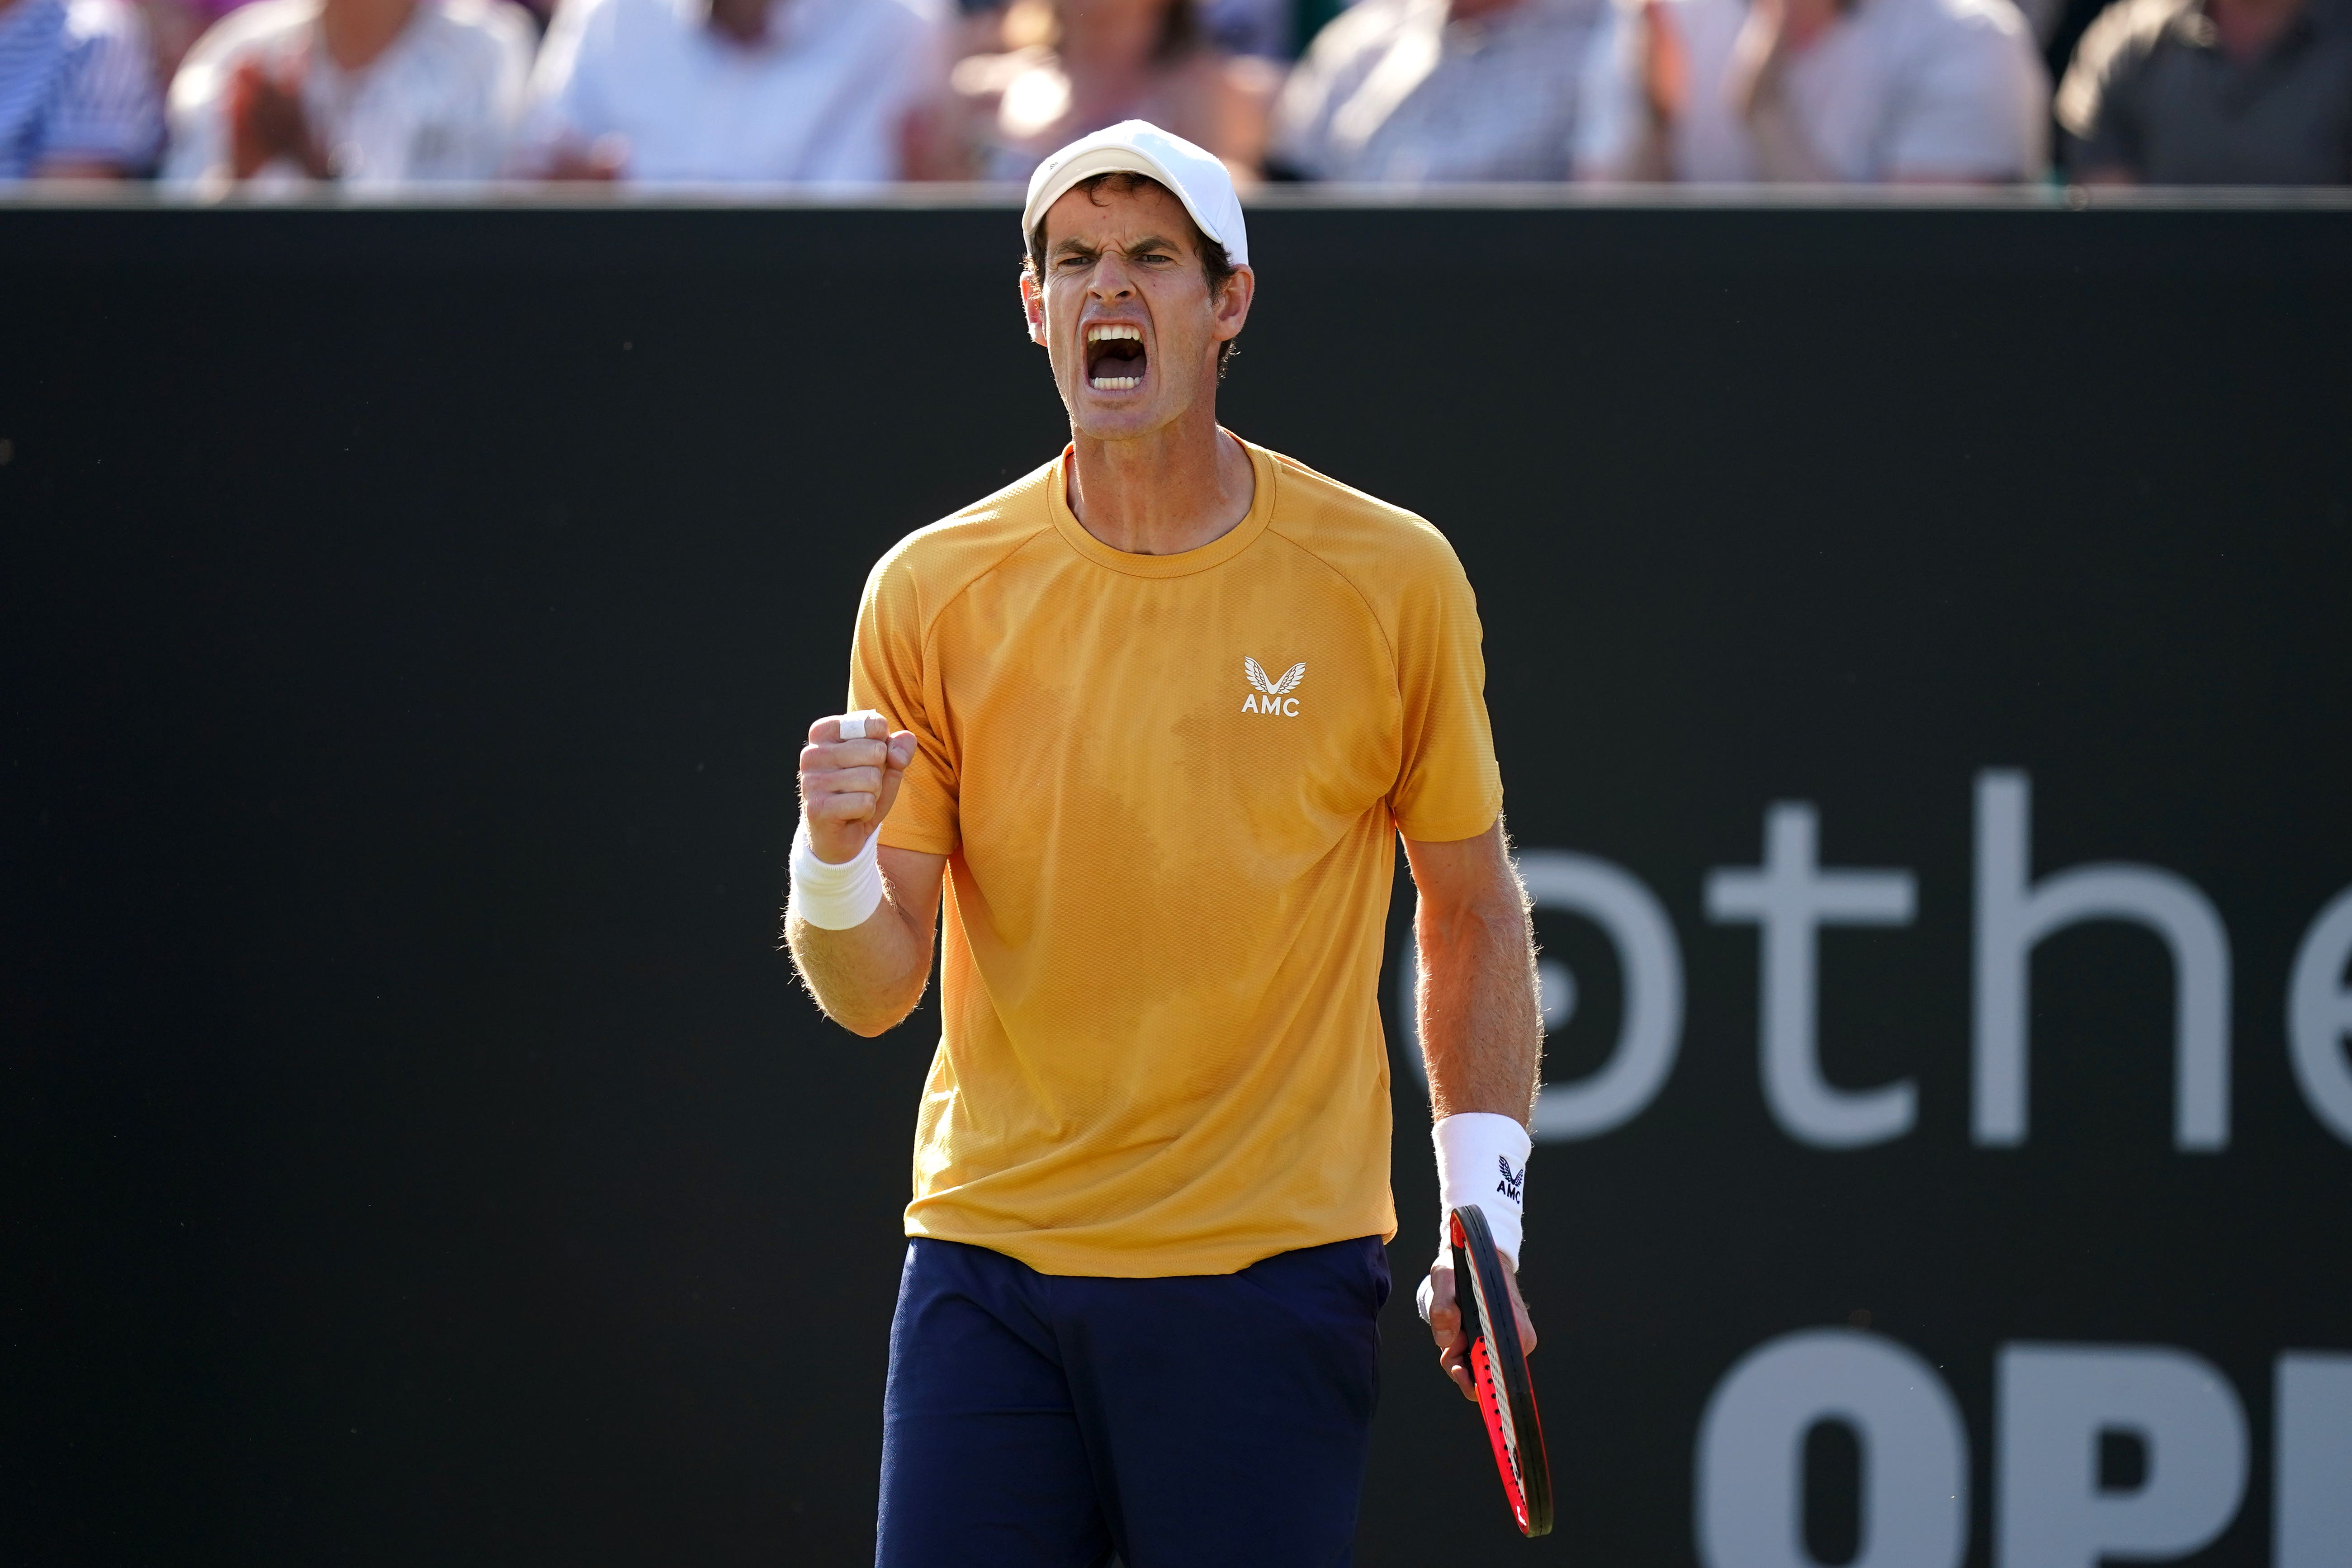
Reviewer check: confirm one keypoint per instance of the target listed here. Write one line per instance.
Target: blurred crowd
(382, 95)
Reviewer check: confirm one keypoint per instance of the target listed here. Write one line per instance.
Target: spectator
(716, 90)
(1816, 92)
(1077, 66)
(175, 26)
(375, 94)
(1419, 91)
(2194, 92)
(77, 95)
(1267, 27)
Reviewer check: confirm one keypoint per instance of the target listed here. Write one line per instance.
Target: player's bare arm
(866, 977)
(1481, 1025)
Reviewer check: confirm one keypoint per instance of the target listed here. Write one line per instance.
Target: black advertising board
(1918, 650)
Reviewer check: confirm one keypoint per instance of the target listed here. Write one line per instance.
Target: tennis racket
(1498, 1370)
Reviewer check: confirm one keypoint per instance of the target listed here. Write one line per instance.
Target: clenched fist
(850, 772)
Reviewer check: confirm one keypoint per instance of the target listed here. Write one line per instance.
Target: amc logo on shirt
(1278, 701)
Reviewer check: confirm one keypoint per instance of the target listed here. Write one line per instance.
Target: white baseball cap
(1140, 147)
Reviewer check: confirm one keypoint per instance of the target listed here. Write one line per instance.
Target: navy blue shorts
(1045, 1421)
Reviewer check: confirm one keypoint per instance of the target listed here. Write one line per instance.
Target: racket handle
(1465, 1298)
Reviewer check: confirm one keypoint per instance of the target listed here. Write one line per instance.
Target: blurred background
(1897, 444)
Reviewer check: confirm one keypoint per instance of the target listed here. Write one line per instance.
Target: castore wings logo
(1275, 694)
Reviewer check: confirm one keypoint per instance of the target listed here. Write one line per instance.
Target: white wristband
(831, 896)
(1482, 1159)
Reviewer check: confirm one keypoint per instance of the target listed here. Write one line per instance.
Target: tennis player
(1151, 716)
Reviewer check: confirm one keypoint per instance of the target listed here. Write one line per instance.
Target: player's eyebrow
(1079, 247)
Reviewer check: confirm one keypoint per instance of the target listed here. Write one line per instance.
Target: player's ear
(1032, 304)
(1232, 303)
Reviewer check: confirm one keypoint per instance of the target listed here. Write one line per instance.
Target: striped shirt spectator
(77, 95)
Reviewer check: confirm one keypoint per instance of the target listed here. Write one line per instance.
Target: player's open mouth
(1114, 357)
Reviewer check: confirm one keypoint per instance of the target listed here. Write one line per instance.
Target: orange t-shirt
(1167, 786)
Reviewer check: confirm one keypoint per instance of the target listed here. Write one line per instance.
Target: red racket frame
(1498, 1371)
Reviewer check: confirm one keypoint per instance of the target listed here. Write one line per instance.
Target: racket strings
(1499, 1430)
(1501, 1405)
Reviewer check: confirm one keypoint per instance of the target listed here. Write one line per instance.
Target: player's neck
(1181, 486)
